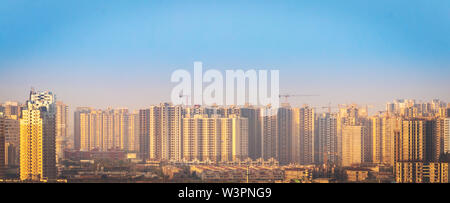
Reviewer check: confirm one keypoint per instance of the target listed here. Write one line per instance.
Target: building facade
(326, 139)
(352, 145)
(160, 133)
(284, 128)
(104, 130)
(269, 133)
(38, 138)
(216, 139)
(421, 172)
(62, 128)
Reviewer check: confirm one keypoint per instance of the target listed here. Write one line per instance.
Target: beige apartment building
(2, 146)
(410, 143)
(303, 135)
(327, 140)
(160, 135)
(10, 130)
(103, 130)
(215, 138)
(352, 145)
(62, 128)
(269, 133)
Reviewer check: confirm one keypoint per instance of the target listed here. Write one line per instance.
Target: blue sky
(122, 53)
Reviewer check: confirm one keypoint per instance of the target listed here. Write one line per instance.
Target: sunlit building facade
(303, 135)
(161, 132)
(105, 130)
(38, 138)
(62, 128)
(216, 139)
(352, 145)
(326, 139)
(390, 129)
(446, 136)
(133, 132)
(411, 141)
(11, 132)
(2, 147)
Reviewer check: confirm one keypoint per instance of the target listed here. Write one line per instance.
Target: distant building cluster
(34, 135)
(103, 130)
(411, 139)
(265, 174)
(95, 155)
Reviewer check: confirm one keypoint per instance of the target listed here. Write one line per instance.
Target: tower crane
(187, 98)
(329, 107)
(286, 96)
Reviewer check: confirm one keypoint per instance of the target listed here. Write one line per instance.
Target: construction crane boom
(286, 96)
(187, 98)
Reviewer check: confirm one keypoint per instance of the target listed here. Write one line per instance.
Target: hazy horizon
(118, 54)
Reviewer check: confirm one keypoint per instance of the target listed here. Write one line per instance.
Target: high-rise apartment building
(353, 144)
(62, 129)
(296, 154)
(440, 142)
(284, 128)
(11, 133)
(303, 135)
(254, 130)
(411, 141)
(390, 128)
(88, 129)
(326, 139)
(2, 147)
(216, 139)
(11, 109)
(11, 112)
(382, 132)
(77, 126)
(144, 134)
(446, 135)
(104, 120)
(160, 134)
(38, 138)
(376, 131)
(105, 129)
(133, 132)
(347, 116)
(269, 133)
(411, 108)
(120, 129)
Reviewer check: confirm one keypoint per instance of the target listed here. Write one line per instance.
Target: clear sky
(122, 53)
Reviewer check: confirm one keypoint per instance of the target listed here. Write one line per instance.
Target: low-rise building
(301, 175)
(237, 174)
(94, 155)
(357, 175)
(420, 172)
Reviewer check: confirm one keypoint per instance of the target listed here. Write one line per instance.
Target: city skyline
(372, 109)
(213, 91)
(286, 141)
